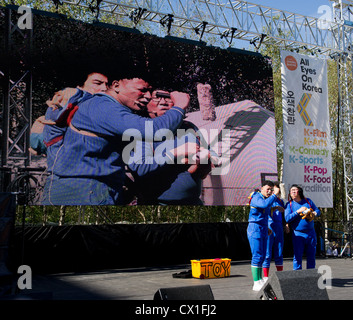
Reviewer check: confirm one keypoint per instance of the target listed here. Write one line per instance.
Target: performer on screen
(300, 213)
(257, 232)
(94, 82)
(158, 182)
(275, 239)
(89, 168)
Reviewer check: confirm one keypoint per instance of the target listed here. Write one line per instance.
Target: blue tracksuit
(275, 239)
(257, 231)
(303, 232)
(90, 170)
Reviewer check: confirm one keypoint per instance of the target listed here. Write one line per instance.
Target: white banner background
(306, 127)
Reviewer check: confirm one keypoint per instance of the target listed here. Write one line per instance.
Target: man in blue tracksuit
(257, 231)
(89, 168)
(275, 239)
(94, 83)
(158, 182)
(299, 213)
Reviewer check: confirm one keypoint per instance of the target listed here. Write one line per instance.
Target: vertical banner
(231, 107)
(306, 127)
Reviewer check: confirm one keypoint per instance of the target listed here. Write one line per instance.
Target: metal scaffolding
(16, 115)
(342, 15)
(329, 36)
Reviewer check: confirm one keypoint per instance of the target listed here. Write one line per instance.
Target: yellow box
(210, 268)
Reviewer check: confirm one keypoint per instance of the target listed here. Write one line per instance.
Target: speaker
(293, 285)
(202, 292)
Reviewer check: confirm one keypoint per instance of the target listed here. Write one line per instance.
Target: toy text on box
(210, 268)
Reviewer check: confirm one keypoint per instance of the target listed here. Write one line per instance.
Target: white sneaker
(264, 279)
(258, 285)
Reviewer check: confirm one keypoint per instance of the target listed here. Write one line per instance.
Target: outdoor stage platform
(143, 283)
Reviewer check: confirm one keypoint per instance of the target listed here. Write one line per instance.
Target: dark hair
(268, 183)
(300, 191)
(276, 183)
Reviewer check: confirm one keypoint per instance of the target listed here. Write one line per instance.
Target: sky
(304, 7)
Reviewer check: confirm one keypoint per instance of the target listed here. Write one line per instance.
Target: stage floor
(143, 283)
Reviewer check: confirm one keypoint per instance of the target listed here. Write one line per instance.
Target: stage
(143, 283)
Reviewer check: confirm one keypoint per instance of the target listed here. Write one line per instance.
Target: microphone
(160, 94)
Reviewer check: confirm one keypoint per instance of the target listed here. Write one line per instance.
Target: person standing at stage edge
(89, 168)
(257, 232)
(300, 213)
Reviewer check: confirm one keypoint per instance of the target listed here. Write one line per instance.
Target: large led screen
(121, 117)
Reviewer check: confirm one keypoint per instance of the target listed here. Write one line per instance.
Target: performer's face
(159, 105)
(133, 93)
(277, 190)
(95, 83)
(266, 191)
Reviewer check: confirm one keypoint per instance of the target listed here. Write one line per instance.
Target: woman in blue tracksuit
(257, 232)
(302, 226)
(275, 240)
(157, 181)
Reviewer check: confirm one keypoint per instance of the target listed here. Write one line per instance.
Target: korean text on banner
(306, 127)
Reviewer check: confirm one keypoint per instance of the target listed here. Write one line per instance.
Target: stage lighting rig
(260, 39)
(135, 15)
(95, 8)
(57, 3)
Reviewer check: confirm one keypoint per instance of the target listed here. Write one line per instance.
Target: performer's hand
(301, 210)
(269, 231)
(279, 208)
(201, 170)
(180, 99)
(310, 215)
(276, 191)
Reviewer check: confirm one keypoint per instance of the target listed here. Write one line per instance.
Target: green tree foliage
(53, 44)
(71, 215)
(65, 49)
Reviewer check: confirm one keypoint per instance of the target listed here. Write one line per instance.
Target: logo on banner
(291, 63)
(301, 107)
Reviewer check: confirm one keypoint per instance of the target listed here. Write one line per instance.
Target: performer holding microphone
(257, 232)
(175, 183)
